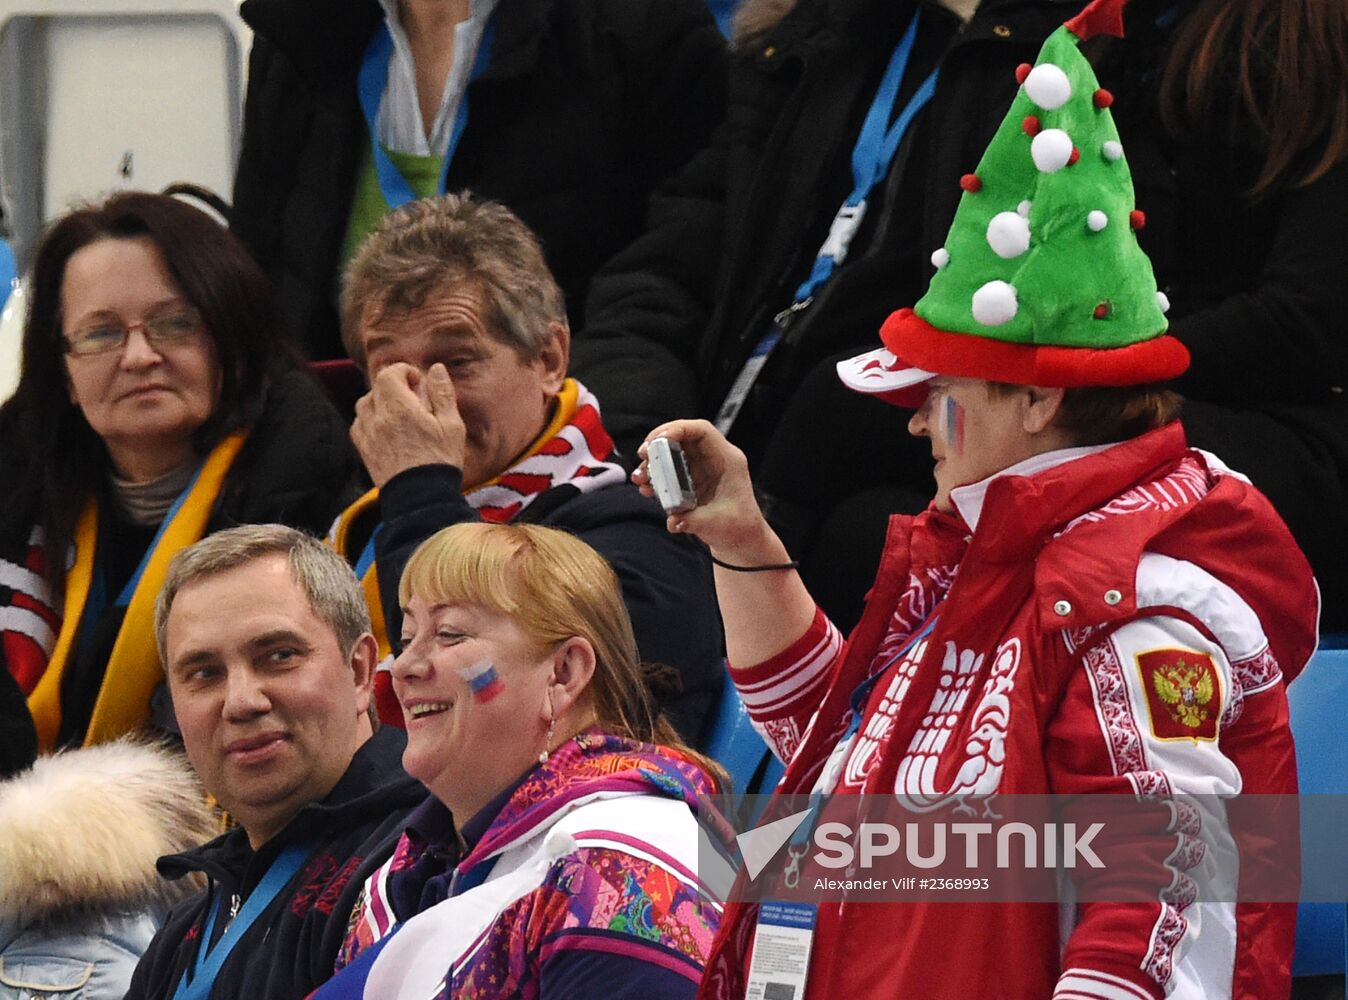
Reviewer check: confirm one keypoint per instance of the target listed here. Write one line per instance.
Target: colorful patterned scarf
(592, 765)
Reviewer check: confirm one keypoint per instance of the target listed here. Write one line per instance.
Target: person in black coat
(1242, 172)
(735, 235)
(581, 107)
(461, 329)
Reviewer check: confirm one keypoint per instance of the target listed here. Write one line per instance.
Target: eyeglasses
(165, 331)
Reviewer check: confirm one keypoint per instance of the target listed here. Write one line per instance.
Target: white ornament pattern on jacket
(875, 734)
(980, 774)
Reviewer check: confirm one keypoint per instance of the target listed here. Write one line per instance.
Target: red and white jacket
(1064, 585)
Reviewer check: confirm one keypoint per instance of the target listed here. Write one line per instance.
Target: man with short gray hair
(461, 329)
(266, 645)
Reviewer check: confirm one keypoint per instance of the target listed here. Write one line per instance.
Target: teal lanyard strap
(210, 959)
(861, 694)
(97, 601)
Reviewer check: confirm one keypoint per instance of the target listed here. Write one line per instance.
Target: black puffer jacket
(585, 106)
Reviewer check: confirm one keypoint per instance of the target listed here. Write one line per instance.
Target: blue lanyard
(97, 600)
(210, 958)
(370, 83)
(366, 557)
(871, 157)
(461, 881)
(863, 690)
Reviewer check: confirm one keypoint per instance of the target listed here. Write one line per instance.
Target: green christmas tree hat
(1041, 280)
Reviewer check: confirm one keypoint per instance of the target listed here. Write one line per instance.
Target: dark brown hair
(1103, 414)
(55, 457)
(1287, 62)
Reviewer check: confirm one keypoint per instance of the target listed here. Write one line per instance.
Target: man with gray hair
(266, 645)
(450, 309)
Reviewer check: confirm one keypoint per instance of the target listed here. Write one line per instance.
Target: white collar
(400, 126)
(968, 500)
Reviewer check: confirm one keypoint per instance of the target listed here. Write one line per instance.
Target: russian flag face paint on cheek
(952, 425)
(482, 680)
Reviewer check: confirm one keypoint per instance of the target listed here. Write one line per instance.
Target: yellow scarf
(133, 669)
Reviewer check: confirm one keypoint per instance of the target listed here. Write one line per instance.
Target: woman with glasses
(154, 407)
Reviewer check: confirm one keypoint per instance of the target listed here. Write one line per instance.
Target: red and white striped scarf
(573, 450)
(30, 613)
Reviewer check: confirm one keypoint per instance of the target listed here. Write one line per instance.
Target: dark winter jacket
(291, 947)
(18, 737)
(666, 579)
(735, 234)
(586, 104)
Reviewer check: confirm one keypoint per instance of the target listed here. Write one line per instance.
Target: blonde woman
(559, 848)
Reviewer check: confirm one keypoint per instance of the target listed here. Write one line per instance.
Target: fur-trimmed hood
(80, 831)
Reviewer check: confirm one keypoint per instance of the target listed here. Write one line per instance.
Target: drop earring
(547, 740)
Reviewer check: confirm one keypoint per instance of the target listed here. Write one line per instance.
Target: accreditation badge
(781, 959)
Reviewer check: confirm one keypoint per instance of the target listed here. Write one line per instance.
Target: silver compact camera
(669, 476)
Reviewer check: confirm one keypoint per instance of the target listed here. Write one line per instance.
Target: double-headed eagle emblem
(1185, 690)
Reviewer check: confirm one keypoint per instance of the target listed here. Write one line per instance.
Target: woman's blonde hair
(553, 586)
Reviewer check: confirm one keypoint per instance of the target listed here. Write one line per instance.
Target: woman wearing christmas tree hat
(1087, 606)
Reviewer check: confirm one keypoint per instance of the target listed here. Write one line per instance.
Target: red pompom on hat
(971, 183)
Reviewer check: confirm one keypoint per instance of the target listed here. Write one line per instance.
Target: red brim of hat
(921, 345)
(880, 374)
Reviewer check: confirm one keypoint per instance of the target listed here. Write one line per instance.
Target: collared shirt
(968, 500)
(399, 125)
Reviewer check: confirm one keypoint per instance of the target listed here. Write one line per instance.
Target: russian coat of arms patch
(1183, 694)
